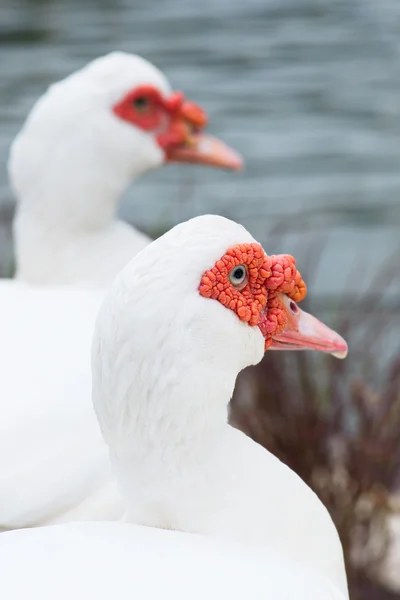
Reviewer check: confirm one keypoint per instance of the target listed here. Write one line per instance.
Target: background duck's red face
(263, 290)
(177, 126)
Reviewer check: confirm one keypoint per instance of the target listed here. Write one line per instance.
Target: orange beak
(305, 332)
(204, 149)
(185, 141)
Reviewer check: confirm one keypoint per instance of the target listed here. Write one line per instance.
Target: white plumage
(52, 456)
(165, 361)
(71, 162)
(68, 166)
(121, 561)
(164, 364)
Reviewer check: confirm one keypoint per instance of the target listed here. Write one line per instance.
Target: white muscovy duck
(82, 144)
(180, 321)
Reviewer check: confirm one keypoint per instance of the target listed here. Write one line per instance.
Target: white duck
(54, 464)
(82, 144)
(178, 324)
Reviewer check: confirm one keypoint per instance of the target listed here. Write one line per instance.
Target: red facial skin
(177, 126)
(258, 299)
(173, 120)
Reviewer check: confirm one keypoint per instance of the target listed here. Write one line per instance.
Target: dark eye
(238, 276)
(141, 103)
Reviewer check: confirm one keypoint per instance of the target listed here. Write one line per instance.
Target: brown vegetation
(337, 424)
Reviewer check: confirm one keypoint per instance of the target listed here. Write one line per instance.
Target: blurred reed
(337, 424)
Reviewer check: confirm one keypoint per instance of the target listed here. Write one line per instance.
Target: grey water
(307, 90)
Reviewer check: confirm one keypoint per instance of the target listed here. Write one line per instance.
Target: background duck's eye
(141, 103)
(238, 275)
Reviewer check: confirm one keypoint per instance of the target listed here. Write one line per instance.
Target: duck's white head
(186, 315)
(93, 132)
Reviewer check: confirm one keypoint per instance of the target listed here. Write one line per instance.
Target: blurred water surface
(307, 90)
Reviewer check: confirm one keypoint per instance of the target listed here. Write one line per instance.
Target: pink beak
(205, 149)
(304, 332)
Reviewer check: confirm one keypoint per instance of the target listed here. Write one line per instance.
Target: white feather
(52, 456)
(164, 363)
(68, 167)
(110, 561)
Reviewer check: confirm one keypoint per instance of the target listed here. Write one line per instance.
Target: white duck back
(121, 561)
(52, 456)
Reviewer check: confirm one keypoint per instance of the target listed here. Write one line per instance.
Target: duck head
(189, 312)
(90, 134)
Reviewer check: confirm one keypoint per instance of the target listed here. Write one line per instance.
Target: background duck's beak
(303, 331)
(205, 149)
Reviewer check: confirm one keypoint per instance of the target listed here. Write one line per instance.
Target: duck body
(219, 491)
(52, 456)
(121, 560)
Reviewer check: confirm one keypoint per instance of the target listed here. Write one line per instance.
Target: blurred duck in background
(83, 143)
(180, 321)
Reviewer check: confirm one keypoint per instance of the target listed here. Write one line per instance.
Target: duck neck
(66, 229)
(175, 433)
(169, 421)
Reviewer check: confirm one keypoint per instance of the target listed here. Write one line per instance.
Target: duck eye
(141, 103)
(238, 276)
